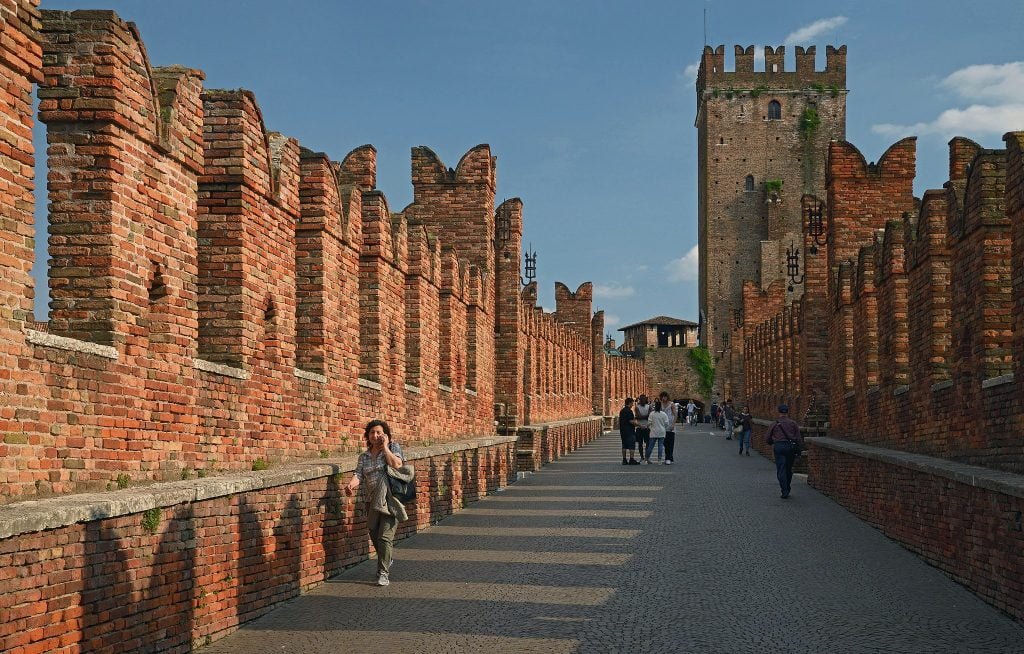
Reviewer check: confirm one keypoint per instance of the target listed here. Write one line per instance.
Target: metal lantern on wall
(816, 226)
(793, 266)
(530, 257)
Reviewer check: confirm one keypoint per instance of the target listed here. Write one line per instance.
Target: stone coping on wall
(559, 423)
(44, 339)
(999, 481)
(803, 428)
(55, 512)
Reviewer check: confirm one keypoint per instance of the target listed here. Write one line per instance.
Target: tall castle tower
(763, 140)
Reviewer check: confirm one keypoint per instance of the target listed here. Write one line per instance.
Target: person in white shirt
(643, 432)
(658, 424)
(691, 409)
(670, 409)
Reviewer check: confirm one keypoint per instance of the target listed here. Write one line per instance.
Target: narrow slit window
(748, 185)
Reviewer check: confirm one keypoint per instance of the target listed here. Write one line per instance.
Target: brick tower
(763, 139)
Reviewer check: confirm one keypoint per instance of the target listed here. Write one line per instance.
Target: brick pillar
(599, 390)
(1015, 213)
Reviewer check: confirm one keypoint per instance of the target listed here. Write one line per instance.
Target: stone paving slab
(721, 564)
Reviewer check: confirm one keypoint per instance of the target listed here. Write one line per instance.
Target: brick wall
(176, 566)
(923, 302)
(221, 294)
(947, 517)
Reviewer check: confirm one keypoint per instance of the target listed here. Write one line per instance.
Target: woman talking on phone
(383, 511)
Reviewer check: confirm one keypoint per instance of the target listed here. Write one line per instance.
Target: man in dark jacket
(786, 441)
(627, 431)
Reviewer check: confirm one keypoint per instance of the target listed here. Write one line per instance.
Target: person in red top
(786, 441)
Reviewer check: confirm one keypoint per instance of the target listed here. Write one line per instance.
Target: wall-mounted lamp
(793, 266)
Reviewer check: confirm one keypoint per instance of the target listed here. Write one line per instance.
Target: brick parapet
(237, 297)
(177, 565)
(959, 518)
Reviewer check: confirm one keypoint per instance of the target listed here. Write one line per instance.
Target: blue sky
(589, 106)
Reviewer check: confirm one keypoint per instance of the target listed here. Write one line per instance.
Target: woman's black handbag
(404, 491)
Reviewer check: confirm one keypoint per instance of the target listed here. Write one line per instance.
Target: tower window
(774, 110)
(748, 185)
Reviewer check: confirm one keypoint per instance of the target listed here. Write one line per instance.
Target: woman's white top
(659, 421)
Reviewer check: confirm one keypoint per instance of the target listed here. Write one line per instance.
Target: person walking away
(643, 432)
(746, 422)
(627, 431)
(714, 413)
(730, 416)
(658, 422)
(786, 441)
(383, 510)
(691, 409)
(670, 409)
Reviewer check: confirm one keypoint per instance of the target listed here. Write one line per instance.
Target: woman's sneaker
(383, 580)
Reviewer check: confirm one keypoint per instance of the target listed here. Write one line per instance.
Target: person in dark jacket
(786, 441)
(746, 422)
(627, 431)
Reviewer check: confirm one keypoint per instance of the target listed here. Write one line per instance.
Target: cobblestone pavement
(588, 555)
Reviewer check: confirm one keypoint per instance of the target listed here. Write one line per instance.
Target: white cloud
(997, 83)
(613, 290)
(686, 268)
(810, 32)
(690, 72)
(1000, 84)
(976, 119)
(610, 320)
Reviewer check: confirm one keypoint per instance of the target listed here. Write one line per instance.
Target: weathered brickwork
(184, 563)
(221, 294)
(971, 532)
(754, 166)
(923, 356)
(223, 297)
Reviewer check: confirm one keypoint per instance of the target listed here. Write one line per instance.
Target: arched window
(748, 185)
(774, 110)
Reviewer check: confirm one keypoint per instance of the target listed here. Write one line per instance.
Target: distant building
(659, 332)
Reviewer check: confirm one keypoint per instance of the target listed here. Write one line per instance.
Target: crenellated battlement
(713, 73)
(222, 294)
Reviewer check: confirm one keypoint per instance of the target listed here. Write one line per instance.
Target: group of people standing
(648, 426)
(645, 427)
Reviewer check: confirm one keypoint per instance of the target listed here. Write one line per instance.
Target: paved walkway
(590, 556)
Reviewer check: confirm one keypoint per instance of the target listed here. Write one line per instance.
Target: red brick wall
(208, 565)
(970, 532)
(225, 295)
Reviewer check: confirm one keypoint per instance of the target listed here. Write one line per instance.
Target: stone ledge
(999, 481)
(219, 369)
(55, 512)
(942, 385)
(446, 389)
(366, 383)
(900, 390)
(43, 339)
(560, 423)
(413, 389)
(310, 376)
(470, 391)
(997, 381)
(848, 394)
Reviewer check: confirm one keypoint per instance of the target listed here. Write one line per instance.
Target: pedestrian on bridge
(627, 432)
(670, 409)
(786, 441)
(691, 409)
(745, 421)
(658, 427)
(383, 510)
(643, 431)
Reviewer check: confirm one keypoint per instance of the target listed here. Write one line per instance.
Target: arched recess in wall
(748, 184)
(154, 322)
(774, 110)
(269, 342)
